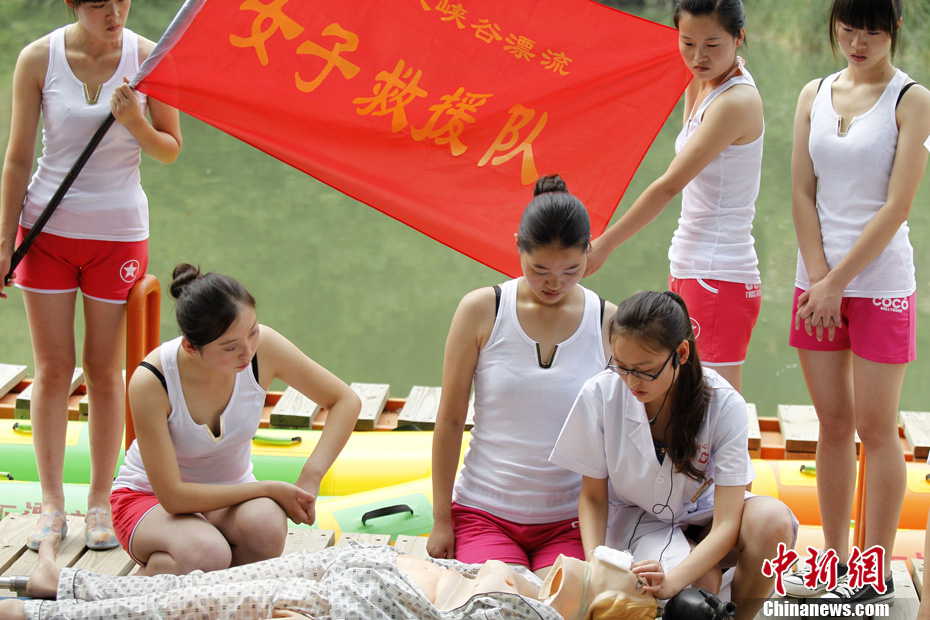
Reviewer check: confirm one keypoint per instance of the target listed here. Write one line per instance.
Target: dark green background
(372, 299)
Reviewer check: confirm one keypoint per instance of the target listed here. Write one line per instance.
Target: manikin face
(864, 49)
(574, 588)
(232, 351)
(103, 20)
(706, 48)
(552, 271)
(632, 354)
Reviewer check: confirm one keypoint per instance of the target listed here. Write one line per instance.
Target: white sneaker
(795, 584)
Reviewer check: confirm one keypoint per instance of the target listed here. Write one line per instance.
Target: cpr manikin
(603, 587)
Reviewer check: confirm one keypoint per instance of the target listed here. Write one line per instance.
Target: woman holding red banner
(95, 241)
(717, 169)
(527, 346)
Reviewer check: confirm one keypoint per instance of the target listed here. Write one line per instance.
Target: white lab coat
(607, 435)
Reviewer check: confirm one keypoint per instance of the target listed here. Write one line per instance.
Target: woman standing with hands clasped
(96, 241)
(185, 497)
(857, 163)
(717, 169)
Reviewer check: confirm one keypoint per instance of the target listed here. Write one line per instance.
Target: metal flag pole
(171, 36)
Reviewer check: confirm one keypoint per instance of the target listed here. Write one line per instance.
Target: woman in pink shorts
(857, 163)
(527, 346)
(96, 241)
(185, 497)
(716, 169)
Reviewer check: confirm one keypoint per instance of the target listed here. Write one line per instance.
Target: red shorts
(128, 507)
(480, 536)
(103, 270)
(722, 316)
(879, 329)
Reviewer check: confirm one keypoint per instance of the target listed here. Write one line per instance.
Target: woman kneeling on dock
(185, 497)
(349, 581)
(661, 444)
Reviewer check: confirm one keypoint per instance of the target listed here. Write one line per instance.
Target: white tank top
(106, 201)
(714, 235)
(519, 410)
(853, 172)
(201, 456)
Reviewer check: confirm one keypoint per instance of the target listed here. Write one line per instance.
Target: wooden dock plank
(800, 427)
(24, 398)
(374, 396)
(421, 407)
(364, 539)
(917, 432)
(13, 532)
(10, 376)
(306, 539)
(294, 410)
(110, 562)
(411, 545)
(68, 553)
(906, 600)
(916, 566)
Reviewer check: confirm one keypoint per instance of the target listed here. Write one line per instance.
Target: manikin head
(602, 588)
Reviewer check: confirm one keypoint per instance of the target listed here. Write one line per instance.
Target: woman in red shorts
(96, 241)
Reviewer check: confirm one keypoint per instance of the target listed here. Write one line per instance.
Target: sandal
(47, 528)
(98, 530)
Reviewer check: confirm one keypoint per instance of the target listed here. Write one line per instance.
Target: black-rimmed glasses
(639, 374)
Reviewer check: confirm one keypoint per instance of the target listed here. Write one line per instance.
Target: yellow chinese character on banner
(555, 61)
(424, 5)
(453, 12)
(332, 57)
(520, 46)
(271, 16)
(506, 140)
(392, 94)
(487, 31)
(459, 106)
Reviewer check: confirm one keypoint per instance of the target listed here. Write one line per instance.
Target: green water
(371, 299)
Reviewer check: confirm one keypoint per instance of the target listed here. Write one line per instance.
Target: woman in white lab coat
(661, 444)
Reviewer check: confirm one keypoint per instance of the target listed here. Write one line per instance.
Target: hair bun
(551, 183)
(181, 277)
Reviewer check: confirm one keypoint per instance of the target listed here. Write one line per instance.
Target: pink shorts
(481, 536)
(722, 316)
(879, 329)
(103, 270)
(128, 507)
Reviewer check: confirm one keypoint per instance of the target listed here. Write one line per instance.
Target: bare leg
(103, 355)
(255, 530)
(829, 379)
(765, 523)
(178, 544)
(51, 324)
(733, 374)
(878, 395)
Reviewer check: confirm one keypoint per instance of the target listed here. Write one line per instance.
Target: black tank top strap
(157, 374)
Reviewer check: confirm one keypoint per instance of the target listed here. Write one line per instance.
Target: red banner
(440, 114)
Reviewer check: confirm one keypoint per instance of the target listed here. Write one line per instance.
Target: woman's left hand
(125, 105)
(655, 583)
(819, 309)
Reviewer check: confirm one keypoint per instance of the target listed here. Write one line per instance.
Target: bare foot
(43, 582)
(12, 609)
